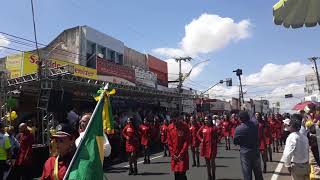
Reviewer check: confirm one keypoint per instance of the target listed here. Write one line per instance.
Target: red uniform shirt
(48, 169)
(178, 141)
(261, 136)
(209, 140)
(193, 132)
(129, 133)
(226, 128)
(144, 131)
(234, 124)
(25, 151)
(163, 133)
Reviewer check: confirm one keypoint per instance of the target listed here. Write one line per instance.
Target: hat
(63, 130)
(286, 121)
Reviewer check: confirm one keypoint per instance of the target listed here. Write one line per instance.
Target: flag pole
(85, 132)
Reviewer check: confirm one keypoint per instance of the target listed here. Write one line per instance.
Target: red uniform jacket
(25, 152)
(234, 124)
(163, 133)
(261, 136)
(178, 141)
(145, 134)
(63, 164)
(226, 128)
(209, 140)
(129, 133)
(273, 128)
(194, 141)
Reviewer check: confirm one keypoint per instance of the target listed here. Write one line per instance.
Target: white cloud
(3, 42)
(277, 74)
(272, 82)
(173, 69)
(206, 34)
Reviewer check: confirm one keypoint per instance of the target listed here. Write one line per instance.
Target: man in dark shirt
(246, 135)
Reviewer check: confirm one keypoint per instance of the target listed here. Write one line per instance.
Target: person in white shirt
(82, 127)
(296, 152)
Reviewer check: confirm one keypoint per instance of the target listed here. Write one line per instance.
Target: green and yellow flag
(87, 162)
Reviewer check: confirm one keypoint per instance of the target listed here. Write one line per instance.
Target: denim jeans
(250, 161)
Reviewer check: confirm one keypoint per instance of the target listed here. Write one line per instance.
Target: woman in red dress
(268, 137)
(178, 142)
(262, 140)
(235, 122)
(226, 130)
(163, 134)
(130, 134)
(145, 135)
(273, 127)
(194, 141)
(208, 135)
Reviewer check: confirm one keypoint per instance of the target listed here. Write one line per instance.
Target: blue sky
(146, 25)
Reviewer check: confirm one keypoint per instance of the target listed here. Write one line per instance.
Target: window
(101, 52)
(111, 55)
(91, 54)
(119, 58)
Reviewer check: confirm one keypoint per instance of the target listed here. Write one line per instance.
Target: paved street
(228, 168)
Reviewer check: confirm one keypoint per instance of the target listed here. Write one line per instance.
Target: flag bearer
(56, 167)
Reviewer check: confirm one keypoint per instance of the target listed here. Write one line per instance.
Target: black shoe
(145, 161)
(149, 161)
(130, 171)
(194, 165)
(198, 164)
(165, 155)
(209, 177)
(135, 171)
(213, 177)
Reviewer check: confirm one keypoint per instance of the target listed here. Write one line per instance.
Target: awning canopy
(296, 13)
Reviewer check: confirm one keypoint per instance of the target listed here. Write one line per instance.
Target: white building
(311, 90)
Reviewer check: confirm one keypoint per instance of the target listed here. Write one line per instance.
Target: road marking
(156, 157)
(277, 170)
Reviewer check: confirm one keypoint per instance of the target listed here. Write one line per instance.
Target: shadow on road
(165, 162)
(228, 179)
(152, 173)
(116, 170)
(226, 157)
(221, 166)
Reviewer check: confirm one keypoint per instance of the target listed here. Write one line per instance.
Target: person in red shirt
(194, 143)
(262, 140)
(178, 141)
(235, 122)
(268, 137)
(226, 130)
(279, 128)
(273, 127)
(163, 134)
(23, 163)
(145, 135)
(130, 134)
(65, 142)
(208, 135)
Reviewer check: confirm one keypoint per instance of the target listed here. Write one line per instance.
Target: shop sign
(31, 60)
(105, 67)
(145, 77)
(115, 80)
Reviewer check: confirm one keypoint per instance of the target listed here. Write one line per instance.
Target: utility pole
(185, 59)
(314, 60)
(241, 99)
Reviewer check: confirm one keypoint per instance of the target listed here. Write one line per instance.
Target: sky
(229, 34)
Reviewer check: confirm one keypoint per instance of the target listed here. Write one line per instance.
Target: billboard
(146, 78)
(105, 67)
(13, 65)
(31, 60)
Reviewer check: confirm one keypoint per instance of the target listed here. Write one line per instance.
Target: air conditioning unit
(100, 55)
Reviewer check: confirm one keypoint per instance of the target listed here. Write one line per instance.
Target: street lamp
(241, 99)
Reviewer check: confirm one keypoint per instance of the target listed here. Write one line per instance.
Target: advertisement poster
(13, 65)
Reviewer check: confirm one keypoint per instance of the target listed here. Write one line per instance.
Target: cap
(286, 121)
(63, 130)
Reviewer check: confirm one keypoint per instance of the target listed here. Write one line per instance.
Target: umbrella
(296, 13)
(302, 105)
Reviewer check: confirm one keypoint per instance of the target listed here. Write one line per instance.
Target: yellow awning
(296, 13)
